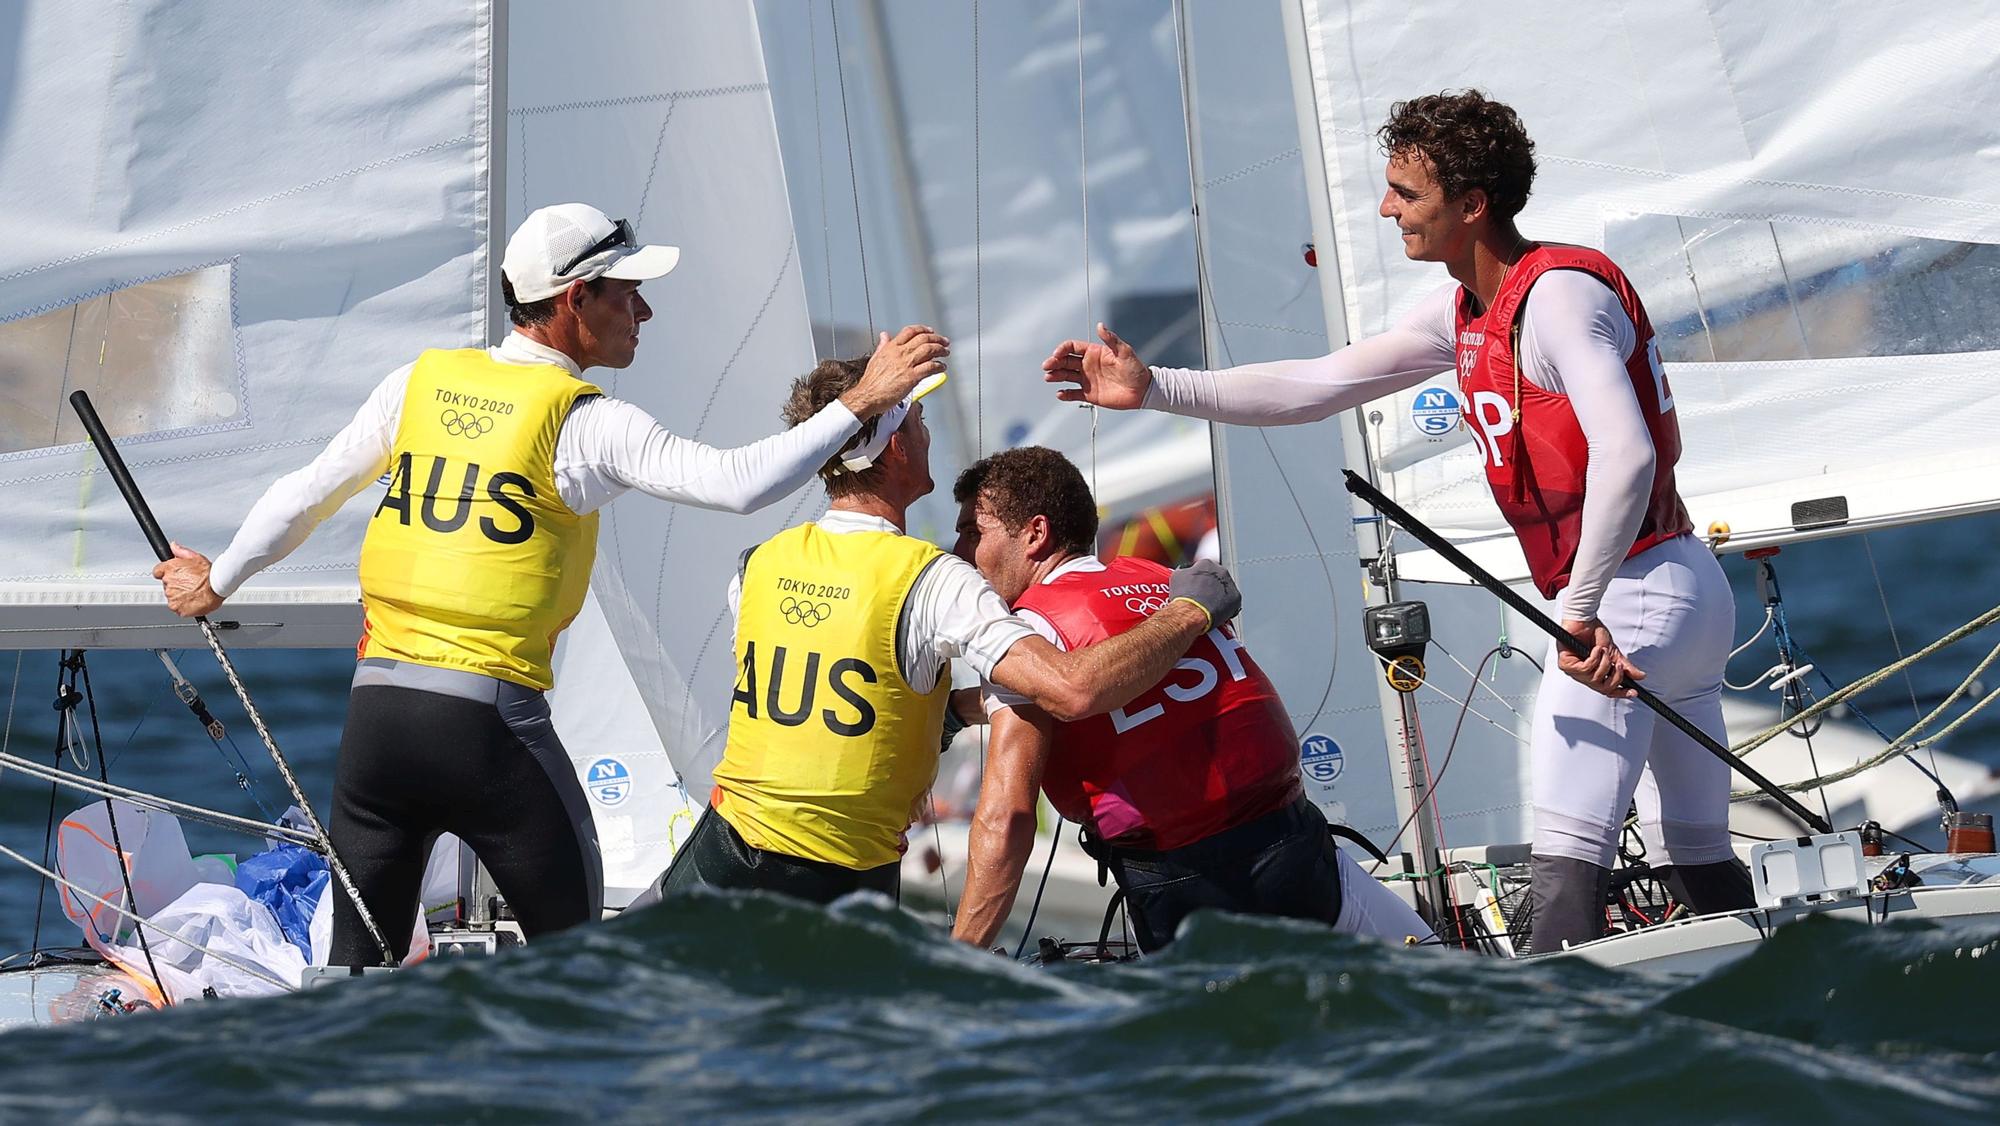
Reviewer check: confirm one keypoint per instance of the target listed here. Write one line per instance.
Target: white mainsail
(238, 254)
(228, 265)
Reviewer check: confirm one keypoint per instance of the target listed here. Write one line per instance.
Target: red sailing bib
(1207, 748)
(1534, 448)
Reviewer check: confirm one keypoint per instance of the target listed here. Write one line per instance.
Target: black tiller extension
(1360, 487)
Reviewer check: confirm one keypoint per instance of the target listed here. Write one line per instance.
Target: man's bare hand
(898, 365)
(1108, 374)
(185, 578)
(1605, 670)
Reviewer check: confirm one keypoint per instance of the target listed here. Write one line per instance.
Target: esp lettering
(1203, 681)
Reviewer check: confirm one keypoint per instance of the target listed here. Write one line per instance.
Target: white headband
(886, 426)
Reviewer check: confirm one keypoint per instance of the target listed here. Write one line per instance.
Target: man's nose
(643, 312)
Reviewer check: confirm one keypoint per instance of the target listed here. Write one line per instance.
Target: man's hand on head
(900, 363)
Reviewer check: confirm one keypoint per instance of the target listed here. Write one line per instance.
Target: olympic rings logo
(804, 612)
(465, 422)
(1145, 605)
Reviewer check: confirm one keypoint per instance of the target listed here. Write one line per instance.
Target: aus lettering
(449, 492)
(851, 713)
(1192, 678)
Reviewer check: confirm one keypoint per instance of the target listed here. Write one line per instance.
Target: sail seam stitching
(92, 468)
(640, 99)
(247, 205)
(1252, 169)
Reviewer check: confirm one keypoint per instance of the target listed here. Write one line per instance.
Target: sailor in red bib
(1190, 794)
(1570, 409)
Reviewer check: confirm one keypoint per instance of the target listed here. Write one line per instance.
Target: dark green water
(759, 1009)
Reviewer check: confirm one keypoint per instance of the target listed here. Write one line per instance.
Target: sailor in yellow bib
(830, 746)
(477, 557)
(473, 561)
(845, 628)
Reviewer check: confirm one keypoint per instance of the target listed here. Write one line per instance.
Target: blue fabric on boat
(289, 880)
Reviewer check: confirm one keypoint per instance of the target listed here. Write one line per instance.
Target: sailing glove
(1209, 585)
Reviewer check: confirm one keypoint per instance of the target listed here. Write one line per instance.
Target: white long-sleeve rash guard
(1575, 341)
(605, 447)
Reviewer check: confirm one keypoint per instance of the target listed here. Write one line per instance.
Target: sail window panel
(1733, 290)
(157, 356)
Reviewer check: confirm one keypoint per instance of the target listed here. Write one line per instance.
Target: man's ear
(897, 448)
(573, 295)
(1036, 538)
(1475, 205)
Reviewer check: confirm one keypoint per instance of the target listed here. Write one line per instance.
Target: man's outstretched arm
(1276, 393)
(1003, 827)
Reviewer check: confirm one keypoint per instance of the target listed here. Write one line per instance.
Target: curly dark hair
(1470, 141)
(1021, 484)
(810, 394)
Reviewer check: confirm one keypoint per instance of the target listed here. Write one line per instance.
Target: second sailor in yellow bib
(844, 629)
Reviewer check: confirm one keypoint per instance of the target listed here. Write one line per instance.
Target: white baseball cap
(891, 420)
(572, 242)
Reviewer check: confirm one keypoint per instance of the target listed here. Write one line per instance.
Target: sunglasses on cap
(621, 235)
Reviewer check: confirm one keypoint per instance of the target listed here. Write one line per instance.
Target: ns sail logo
(1435, 411)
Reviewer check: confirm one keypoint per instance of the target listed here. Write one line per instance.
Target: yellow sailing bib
(829, 749)
(472, 560)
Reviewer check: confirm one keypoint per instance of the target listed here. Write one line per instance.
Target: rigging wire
(1055, 838)
(111, 814)
(13, 691)
(1451, 747)
(232, 755)
(819, 166)
(1895, 641)
(978, 273)
(853, 184)
(1083, 182)
(141, 798)
(49, 825)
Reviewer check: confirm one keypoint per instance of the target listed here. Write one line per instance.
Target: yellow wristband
(1206, 616)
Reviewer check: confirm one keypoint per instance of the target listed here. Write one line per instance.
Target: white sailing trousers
(1670, 609)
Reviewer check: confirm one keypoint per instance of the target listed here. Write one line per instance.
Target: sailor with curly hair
(1566, 400)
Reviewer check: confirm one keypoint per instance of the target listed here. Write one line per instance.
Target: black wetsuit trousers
(1283, 863)
(717, 857)
(417, 762)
